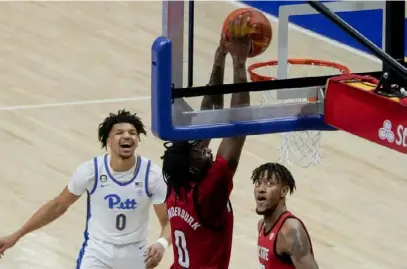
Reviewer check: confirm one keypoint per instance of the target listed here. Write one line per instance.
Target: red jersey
(202, 222)
(266, 246)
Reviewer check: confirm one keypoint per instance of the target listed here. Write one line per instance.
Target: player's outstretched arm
(231, 148)
(49, 212)
(82, 179)
(294, 240)
(210, 102)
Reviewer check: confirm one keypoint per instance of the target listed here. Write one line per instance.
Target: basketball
(261, 39)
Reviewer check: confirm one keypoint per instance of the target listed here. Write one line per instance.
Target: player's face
(268, 193)
(123, 140)
(201, 159)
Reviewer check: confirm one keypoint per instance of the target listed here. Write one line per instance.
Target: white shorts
(100, 255)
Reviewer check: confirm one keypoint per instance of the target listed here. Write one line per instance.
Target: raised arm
(216, 191)
(231, 148)
(294, 241)
(210, 102)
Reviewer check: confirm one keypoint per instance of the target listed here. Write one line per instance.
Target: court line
(77, 103)
(99, 101)
(315, 35)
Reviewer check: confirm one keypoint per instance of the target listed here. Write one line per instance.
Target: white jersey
(118, 202)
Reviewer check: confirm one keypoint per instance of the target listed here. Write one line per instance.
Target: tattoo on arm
(217, 76)
(299, 248)
(210, 102)
(239, 73)
(240, 76)
(218, 71)
(299, 244)
(231, 148)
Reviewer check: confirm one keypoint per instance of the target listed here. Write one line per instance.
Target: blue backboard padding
(161, 82)
(161, 102)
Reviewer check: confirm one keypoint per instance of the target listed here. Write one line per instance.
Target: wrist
(239, 64)
(163, 242)
(17, 235)
(221, 51)
(220, 55)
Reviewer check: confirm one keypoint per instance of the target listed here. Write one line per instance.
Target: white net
(300, 148)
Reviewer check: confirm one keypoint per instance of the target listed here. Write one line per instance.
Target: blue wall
(369, 23)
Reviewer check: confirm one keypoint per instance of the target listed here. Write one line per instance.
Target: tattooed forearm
(239, 76)
(239, 73)
(218, 70)
(217, 75)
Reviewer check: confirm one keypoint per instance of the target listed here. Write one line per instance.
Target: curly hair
(177, 170)
(122, 116)
(282, 174)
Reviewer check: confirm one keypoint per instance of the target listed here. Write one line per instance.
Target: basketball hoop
(301, 148)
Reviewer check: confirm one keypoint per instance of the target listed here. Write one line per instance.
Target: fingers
(154, 260)
(254, 29)
(153, 257)
(232, 27)
(2, 250)
(236, 28)
(246, 28)
(240, 27)
(147, 254)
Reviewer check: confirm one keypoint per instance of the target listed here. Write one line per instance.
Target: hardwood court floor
(65, 65)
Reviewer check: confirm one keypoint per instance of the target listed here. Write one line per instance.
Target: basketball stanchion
(300, 148)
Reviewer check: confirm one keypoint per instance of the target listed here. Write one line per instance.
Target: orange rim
(257, 77)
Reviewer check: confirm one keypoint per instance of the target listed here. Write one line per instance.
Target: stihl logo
(386, 133)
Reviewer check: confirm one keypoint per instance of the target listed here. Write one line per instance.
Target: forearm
(218, 69)
(240, 76)
(166, 232)
(231, 147)
(45, 215)
(217, 76)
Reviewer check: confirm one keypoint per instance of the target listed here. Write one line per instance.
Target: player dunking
(198, 204)
(120, 187)
(283, 241)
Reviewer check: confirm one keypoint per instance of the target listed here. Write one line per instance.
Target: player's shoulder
(88, 167)
(221, 167)
(221, 163)
(291, 224)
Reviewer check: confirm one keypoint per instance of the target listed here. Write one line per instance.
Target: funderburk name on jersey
(399, 136)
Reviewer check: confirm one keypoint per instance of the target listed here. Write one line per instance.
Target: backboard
(175, 117)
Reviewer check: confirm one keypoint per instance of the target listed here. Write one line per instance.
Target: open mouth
(126, 145)
(261, 198)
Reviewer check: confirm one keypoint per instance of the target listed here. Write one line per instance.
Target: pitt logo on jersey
(115, 202)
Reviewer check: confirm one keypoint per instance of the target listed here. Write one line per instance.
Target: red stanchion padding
(352, 105)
